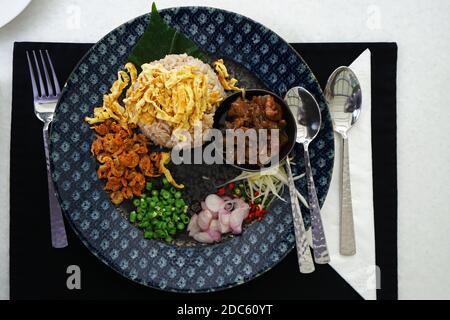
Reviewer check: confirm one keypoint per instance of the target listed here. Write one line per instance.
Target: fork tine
(55, 79)
(41, 82)
(33, 80)
(49, 83)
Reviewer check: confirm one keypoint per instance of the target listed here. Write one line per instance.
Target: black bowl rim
(286, 107)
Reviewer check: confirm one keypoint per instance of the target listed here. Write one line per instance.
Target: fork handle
(347, 243)
(58, 231)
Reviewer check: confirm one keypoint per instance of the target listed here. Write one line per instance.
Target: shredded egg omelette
(179, 96)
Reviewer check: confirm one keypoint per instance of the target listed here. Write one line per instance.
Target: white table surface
(419, 27)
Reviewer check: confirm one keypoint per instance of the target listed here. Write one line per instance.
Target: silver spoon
(307, 113)
(343, 95)
(305, 260)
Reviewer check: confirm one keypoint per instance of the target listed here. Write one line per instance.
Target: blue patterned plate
(104, 229)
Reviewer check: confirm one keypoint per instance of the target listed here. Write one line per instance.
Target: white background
(419, 27)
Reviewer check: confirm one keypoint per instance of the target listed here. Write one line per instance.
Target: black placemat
(37, 271)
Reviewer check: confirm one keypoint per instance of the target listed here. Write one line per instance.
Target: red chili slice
(221, 191)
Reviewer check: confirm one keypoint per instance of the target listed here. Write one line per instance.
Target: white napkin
(358, 270)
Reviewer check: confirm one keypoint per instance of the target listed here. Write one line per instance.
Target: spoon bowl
(306, 112)
(344, 98)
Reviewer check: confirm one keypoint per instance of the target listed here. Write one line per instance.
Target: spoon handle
(347, 243)
(305, 260)
(321, 255)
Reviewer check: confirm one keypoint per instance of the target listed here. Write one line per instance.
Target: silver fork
(44, 108)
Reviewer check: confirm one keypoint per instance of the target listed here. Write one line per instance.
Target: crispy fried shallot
(123, 160)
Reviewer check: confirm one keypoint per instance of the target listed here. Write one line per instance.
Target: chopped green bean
(180, 226)
(148, 234)
(184, 218)
(179, 203)
(133, 216)
(144, 224)
(160, 212)
(165, 194)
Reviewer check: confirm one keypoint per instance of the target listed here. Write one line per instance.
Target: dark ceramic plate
(259, 58)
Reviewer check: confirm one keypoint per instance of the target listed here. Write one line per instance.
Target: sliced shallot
(215, 235)
(204, 219)
(193, 227)
(214, 202)
(229, 205)
(214, 225)
(219, 215)
(237, 217)
(203, 237)
(224, 221)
